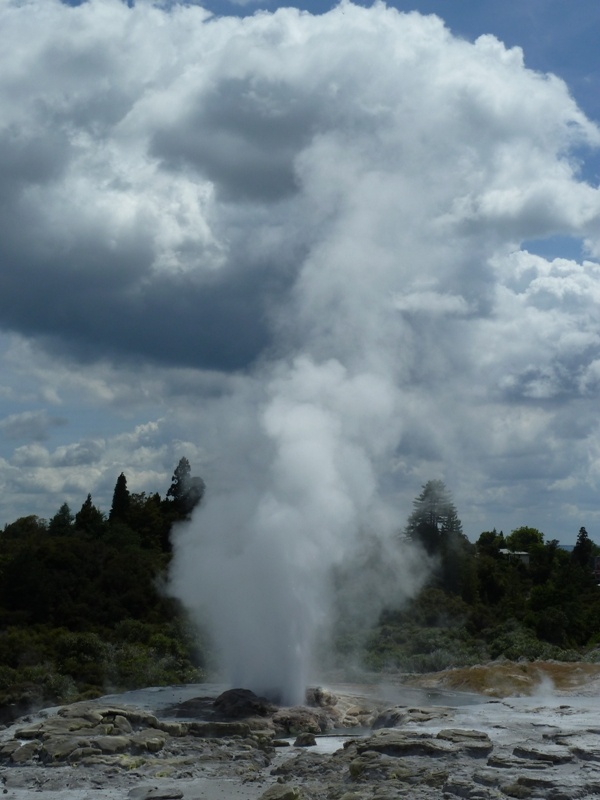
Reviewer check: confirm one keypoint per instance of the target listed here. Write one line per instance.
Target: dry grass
(509, 678)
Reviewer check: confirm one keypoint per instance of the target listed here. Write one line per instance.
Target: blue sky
(351, 248)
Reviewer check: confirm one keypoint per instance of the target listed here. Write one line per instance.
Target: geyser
(256, 562)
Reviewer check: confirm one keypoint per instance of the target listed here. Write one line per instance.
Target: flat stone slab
(154, 793)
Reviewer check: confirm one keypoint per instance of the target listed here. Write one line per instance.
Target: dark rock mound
(241, 703)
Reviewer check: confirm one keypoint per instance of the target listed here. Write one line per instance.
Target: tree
(186, 491)
(524, 539)
(434, 516)
(582, 552)
(62, 522)
(490, 543)
(120, 504)
(89, 519)
(25, 526)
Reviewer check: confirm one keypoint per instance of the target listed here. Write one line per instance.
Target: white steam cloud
(256, 562)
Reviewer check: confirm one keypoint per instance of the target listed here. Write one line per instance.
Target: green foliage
(119, 510)
(62, 522)
(524, 539)
(80, 607)
(186, 491)
(89, 519)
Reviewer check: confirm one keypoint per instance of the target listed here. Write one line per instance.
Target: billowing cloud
(229, 225)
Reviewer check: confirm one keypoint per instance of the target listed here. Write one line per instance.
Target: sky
(325, 250)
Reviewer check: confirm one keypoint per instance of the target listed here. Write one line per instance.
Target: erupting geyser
(256, 563)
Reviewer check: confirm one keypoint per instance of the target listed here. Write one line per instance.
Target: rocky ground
(343, 746)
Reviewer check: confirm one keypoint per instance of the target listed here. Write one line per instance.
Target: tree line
(514, 595)
(81, 609)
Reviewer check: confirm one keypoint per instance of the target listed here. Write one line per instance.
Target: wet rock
(217, 730)
(305, 740)
(399, 716)
(393, 742)
(320, 697)
(299, 719)
(475, 743)
(508, 761)
(154, 793)
(240, 703)
(25, 752)
(356, 716)
(553, 755)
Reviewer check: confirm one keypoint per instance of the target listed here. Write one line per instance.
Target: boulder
(299, 719)
(305, 740)
(322, 698)
(240, 703)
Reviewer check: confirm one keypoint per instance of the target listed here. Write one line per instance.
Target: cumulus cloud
(297, 237)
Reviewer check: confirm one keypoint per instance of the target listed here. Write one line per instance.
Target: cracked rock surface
(515, 748)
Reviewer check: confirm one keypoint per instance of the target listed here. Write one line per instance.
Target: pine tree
(62, 522)
(582, 552)
(119, 510)
(89, 519)
(434, 517)
(186, 491)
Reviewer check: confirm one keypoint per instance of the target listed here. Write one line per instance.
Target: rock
(154, 793)
(401, 715)
(218, 730)
(122, 724)
(279, 792)
(59, 748)
(299, 719)
(113, 744)
(392, 742)
(240, 703)
(149, 739)
(586, 753)
(390, 718)
(475, 743)
(320, 697)
(305, 740)
(553, 755)
(25, 752)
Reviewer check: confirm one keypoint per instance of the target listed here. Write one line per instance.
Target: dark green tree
(583, 550)
(25, 526)
(524, 539)
(490, 543)
(62, 522)
(89, 519)
(434, 516)
(119, 509)
(185, 491)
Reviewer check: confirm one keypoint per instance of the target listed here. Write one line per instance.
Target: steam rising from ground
(257, 561)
